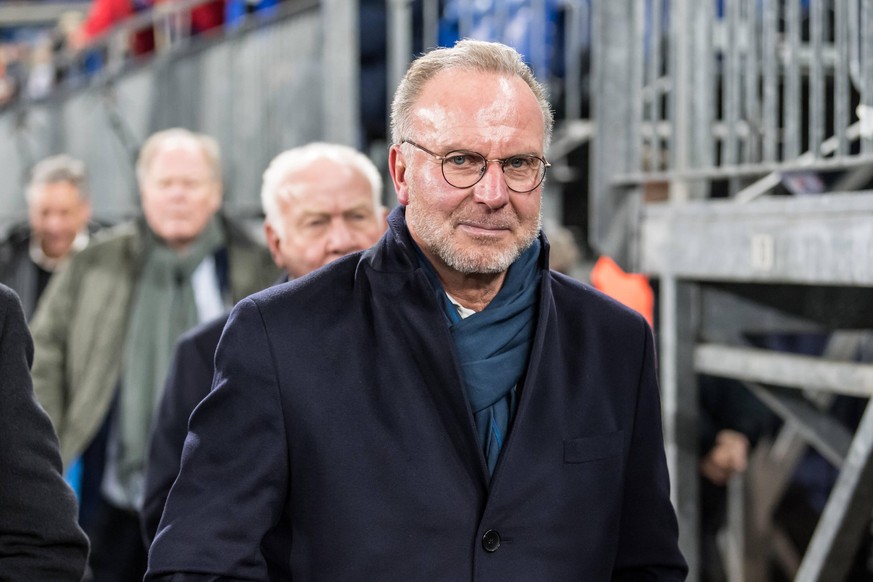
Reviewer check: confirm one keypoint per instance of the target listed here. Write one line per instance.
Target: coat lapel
(420, 326)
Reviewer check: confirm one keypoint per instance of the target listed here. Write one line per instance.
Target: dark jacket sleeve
(188, 382)
(727, 404)
(40, 538)
(234, 474)
(648, 547)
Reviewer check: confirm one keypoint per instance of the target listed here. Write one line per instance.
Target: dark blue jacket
(39, 536)
(337, 443)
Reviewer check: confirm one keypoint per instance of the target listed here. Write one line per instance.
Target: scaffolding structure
(705, 112)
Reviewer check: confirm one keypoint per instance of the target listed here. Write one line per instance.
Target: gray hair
(298, 158)
(157, 141)
(54, 169)
(476, 55)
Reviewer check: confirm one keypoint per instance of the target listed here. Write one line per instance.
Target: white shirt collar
(49, 264)
(462, 311)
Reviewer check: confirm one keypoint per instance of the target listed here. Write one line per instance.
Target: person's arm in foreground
(40, 538)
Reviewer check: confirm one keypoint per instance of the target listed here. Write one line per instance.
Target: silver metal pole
(816, 77)
(867, 79)
(653, 113)
(636, 73)
(791, 97)
(681, 95)
(430, 23)
(841, 77)
(752, 112)
(771, 90)
(399, 44)
(342, 64)
(731, 84)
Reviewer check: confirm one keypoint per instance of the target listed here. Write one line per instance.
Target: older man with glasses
(441, 406)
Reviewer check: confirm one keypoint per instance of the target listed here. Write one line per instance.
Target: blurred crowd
(35, 59)
(29, 57)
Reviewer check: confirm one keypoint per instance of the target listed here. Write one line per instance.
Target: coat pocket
(592, 448)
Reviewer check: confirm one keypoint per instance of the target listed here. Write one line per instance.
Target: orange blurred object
(631, 289)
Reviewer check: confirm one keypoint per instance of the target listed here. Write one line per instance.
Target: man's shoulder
(111, 240)
(12, 322)
(328, 288)
(16, 243)
(18, 236)
(110, 255)
(7, 297)
(572, 294)
(204, 334)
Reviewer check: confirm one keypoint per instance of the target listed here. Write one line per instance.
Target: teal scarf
(163, 308)
(493, 347)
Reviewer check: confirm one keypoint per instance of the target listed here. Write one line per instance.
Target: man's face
(57, 214)
(326, 212)
(483, 228)
(179, 193)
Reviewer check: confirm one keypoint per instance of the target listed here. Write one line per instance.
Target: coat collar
(407, 292)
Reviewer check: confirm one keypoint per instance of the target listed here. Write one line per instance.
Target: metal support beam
(780, 369)
(824, 433)
(846, 513)
(679, 301)
(342, 63)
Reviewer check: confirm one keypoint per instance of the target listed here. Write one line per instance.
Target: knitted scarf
(493, 347)
(164, 307)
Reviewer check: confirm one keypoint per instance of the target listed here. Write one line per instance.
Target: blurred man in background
(105, 331)
(58, 212)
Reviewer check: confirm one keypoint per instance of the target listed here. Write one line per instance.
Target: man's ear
(397, 168)
(273, 243)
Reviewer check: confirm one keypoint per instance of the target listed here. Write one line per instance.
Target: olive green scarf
(164, 307)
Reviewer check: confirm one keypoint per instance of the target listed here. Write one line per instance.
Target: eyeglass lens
(464, 169)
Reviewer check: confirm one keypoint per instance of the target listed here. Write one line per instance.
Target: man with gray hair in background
(58, 214)
(105, 330)
(321, 202)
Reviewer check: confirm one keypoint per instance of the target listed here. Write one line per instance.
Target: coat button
(491, 541)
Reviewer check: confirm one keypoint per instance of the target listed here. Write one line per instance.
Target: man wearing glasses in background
(441, 406)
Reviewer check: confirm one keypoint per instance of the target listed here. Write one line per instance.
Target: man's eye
(459, 160)
(519, 163)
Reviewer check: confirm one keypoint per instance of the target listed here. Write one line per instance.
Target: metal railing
(757, 86)
(696, 100)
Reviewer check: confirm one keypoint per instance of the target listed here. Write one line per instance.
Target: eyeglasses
(463, 169)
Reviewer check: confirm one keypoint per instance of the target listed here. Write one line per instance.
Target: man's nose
(340, 238)
(54, 223)
(491, 190)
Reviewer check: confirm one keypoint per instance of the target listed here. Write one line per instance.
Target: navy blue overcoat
(337, 443)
